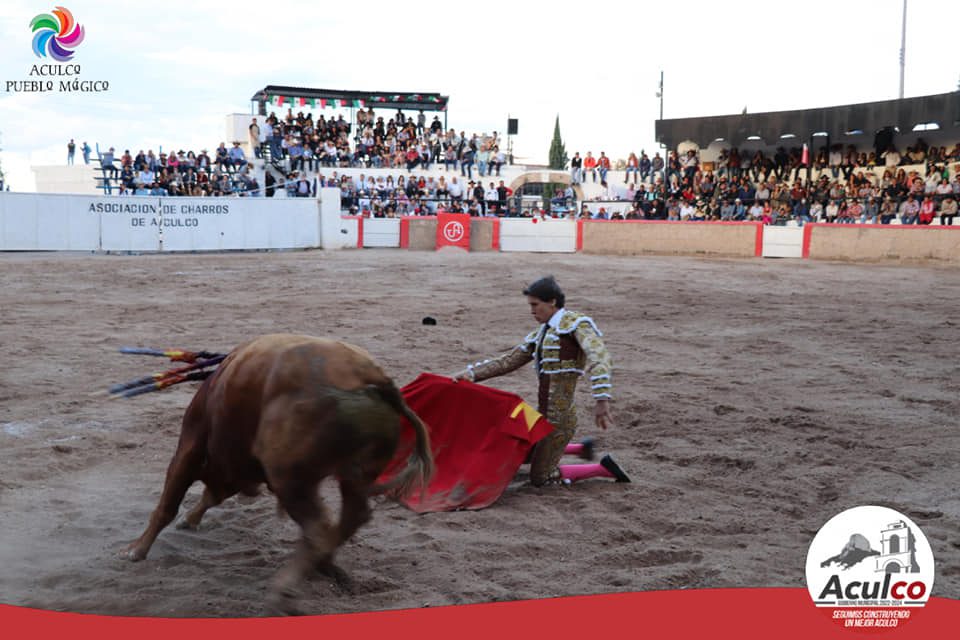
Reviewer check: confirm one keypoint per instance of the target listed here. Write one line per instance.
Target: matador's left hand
(602, 414)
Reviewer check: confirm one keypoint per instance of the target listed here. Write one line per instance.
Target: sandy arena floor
(754, 401)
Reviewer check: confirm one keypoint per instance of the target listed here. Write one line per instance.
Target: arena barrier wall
(538, 235)
(631, 237)
(881, 242)
(54, 222)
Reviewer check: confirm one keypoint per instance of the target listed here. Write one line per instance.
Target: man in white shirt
(455, 189)
(492, 198)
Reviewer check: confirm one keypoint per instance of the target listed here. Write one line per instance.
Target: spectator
(590, 164)
(106, 162)
(254, 136)
(927, 211)
(85, 150)
(633, 165)
(948, 210)
(576, 169)
(71, 150)
(237, 157)
(497, 159)
(909, 210)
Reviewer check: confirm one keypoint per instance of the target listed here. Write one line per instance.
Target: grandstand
(853, 163)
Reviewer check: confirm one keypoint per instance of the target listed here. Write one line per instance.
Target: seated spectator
(927, 211)
(888, 211)
(237, 157)
(948, 210)
(106, 161)
(870, 212)
(909, 210)
(222, 159)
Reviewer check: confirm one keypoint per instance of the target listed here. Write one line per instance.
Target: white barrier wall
(782, 242)
(534, 234)
(334, 228)
(140, 223)
(381, 232)
(57, 223)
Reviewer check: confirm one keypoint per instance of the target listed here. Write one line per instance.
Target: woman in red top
(927, 211)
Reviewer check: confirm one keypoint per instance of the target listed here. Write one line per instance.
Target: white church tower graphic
(899, 552)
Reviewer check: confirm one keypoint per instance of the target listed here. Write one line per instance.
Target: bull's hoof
(133, 553)
(340, 577)
(186, 524)
(282, 602)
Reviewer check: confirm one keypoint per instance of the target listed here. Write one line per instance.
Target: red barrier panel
(453, 230)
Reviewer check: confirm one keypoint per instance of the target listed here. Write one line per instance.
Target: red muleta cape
(479, 436)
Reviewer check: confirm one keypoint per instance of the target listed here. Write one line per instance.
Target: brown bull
(288, 411)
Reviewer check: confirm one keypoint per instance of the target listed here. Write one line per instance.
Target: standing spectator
(71, 150)
(85, 150)
(254, 132)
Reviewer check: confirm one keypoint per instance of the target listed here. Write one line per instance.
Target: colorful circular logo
(871, 567)
(56, 35)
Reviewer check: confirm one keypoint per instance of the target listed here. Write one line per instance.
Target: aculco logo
(872, 564)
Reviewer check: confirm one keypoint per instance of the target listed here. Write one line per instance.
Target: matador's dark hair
(546, 289)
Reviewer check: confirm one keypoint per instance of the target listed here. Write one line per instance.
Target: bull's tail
(419, 467)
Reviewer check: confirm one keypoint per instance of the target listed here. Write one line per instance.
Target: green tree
(558, 154)
(558, 161)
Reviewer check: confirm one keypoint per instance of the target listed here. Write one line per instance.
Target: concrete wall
(78, 178)
(631, 237)
(482, 233)
(423, 234)
(881, 242)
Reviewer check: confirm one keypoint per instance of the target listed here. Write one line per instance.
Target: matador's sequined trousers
(556, 403)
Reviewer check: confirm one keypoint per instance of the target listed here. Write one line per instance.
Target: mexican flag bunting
(358, 103)
(279, 100)
(301, 102)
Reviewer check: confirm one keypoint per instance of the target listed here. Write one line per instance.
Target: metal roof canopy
(836, 122)
(375, 99)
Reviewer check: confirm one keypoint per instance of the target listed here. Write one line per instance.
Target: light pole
(903, 47)
(660, 95)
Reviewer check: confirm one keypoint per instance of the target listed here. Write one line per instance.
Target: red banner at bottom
(712, 613)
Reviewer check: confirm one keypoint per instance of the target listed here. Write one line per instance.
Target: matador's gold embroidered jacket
(563, 354)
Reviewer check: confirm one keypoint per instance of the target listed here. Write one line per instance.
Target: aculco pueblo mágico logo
(56, 35)
(871, 565)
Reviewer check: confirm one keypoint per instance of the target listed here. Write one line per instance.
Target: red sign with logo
(453, 230)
